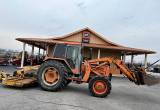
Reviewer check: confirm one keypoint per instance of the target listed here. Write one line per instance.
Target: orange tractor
(67, 65)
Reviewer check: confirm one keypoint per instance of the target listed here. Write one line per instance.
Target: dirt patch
(151, 80)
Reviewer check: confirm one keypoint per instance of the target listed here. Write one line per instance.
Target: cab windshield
(72, 53)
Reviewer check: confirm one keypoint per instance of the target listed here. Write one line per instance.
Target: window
(60, 51)
(73, 56)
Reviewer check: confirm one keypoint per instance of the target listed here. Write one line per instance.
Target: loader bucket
(143, 78)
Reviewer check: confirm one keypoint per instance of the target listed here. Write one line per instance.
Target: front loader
(67, 65)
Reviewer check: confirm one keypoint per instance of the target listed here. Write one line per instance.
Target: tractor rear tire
(99, 87)
(50, 83)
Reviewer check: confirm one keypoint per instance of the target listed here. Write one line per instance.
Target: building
(94, 46)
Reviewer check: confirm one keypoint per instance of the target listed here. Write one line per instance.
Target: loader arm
(136, 76)
(125, 70)
(119, 63)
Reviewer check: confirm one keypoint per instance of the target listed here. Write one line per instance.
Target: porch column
(39, 57)
(145, 61)
(32, 54)
(91, 52)
(124, 57)
(47, 51)
(132, 58)
(23, 53)
(99, 53)
(43, 52)
(39, 51)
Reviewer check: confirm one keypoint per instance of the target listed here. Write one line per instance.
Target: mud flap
(151, 80)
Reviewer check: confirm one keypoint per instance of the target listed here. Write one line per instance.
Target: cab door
(73, 57)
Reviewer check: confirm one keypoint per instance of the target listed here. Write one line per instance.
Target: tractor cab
(70, 53)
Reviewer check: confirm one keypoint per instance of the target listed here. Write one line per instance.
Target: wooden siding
(111, 53)
(78, 38)
(96, 40)
(104, 53)
(73, 38)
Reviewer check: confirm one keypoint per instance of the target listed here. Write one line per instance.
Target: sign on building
(86, 37)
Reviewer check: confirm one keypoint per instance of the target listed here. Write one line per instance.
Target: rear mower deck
(25, 77)
(12, 81)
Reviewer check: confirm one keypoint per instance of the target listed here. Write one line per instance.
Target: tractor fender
(63, 61)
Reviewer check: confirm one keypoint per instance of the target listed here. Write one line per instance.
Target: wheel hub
(99, 87)
(51, 76)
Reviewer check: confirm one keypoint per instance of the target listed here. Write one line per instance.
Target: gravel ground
(124, 96)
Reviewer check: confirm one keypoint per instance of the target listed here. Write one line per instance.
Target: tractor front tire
(52, 76)
(99, 87)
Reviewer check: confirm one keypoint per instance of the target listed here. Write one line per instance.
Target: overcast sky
(133, 23)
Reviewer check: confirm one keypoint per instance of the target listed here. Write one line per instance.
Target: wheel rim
(50, 76)
(99, 87)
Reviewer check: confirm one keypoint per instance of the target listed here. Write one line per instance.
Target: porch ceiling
(42, 43)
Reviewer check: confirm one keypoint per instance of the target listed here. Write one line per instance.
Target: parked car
(156, 69)
(16, 61)
(4, 61)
